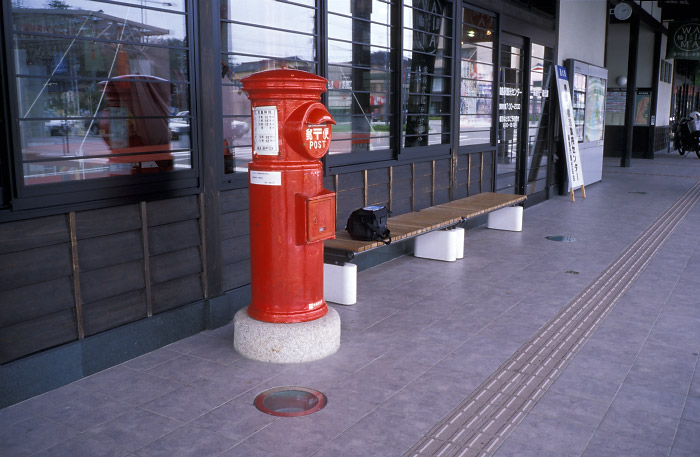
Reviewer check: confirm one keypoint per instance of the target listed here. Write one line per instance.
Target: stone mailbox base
(286, 343)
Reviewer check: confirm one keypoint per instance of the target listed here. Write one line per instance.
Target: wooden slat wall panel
(235, 200)
(177, 264)
(103, 251)
(171, 294)
(402, 188)
(111, 281)
(173, 210)
(107, 221)
(34, 266)
(29, 302)
(236, 274)
(402, 172)
(37, 296)
(354, 180)
(236, 249)
(114, 311)
(378, 176)
(346, 202)
(329, 183)
(173, 237)
(37, 334)
(378, 194)
(401, 206)
(235, 243)
(235, 224)
(421, 201)
(33, 233)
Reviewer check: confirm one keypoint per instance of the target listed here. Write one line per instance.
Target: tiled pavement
(422, 337)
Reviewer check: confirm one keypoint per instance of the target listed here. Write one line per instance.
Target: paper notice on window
(266, 178)
(265, 137)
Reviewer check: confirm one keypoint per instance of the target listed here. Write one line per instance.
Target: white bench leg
(509, 218)
(340, 283)
(438, 245)
(460, 242)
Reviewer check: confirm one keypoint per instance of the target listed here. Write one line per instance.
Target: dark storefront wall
(169, 249)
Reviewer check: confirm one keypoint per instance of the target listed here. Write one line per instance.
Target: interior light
(488, 32)
(471, 34)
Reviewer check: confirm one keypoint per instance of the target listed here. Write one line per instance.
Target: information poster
(265, 136)
(573, 159)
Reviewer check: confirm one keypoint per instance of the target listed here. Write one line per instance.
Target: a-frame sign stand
(573, 160)
(583, 193)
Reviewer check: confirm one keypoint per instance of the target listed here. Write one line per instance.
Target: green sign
(683, 41)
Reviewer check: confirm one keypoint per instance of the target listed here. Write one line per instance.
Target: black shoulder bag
(369, 224)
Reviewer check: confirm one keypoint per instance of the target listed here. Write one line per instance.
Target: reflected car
(179, 126)
(58, 127)
(239, 128)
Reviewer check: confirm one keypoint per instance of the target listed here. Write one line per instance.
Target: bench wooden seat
(418, 222)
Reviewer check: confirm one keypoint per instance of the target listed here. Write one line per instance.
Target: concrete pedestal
(286, 343)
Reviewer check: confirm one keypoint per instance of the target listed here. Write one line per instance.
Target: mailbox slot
(318, 216)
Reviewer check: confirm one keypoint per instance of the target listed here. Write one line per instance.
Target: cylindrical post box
(290, 211)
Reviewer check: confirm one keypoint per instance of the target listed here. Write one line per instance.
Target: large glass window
(102, 88)
(360, 80)
(257, 36)
(476, 77)
(427, 72)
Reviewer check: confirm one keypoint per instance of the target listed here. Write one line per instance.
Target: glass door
(510, 102)
(539, 119)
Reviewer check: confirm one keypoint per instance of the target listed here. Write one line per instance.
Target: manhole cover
(562, 238)
(290, 401)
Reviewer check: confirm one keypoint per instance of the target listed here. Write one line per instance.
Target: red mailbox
(290, 211)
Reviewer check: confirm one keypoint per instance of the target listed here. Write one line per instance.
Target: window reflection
(360, 75)
(476, 72)
(98, 85)
(257, 36)
(427, 71)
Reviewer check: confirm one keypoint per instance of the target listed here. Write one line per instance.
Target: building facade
(125, 137)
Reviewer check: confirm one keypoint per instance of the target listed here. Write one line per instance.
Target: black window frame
(80, 194)
(5, 168)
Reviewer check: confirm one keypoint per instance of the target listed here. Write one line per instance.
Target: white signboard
(573, 159)
(265, 139)
(266, 178)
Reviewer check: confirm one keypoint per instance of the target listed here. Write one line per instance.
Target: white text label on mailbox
(266, 178)
(317, 137)
(265, 137)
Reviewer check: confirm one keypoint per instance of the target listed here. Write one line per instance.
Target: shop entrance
(524, 118)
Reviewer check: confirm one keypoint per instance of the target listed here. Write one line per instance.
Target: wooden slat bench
(341, 276)
(343, 248)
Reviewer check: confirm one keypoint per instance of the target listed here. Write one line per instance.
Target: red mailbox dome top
(290, 83)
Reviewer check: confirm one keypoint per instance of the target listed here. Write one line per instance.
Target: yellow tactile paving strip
(482, 422)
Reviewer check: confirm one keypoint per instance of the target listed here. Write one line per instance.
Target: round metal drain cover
(562, 238)
(290, 401)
